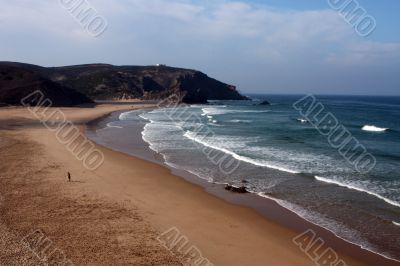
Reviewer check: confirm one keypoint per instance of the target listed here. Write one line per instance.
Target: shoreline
(270, 209)
(231, 232)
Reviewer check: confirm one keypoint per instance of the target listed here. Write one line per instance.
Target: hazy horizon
(269, 47)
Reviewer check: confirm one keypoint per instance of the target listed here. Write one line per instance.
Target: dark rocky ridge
(17, 83)
(108, 82)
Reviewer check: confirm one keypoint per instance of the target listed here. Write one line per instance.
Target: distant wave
(125, 116)
(302, 120)
(216, 111)
(145, 118)
(192, 136)
(373, 128)
(214, 125)
(111, 124)
(330, 181)
(202, 105)
(240, 121)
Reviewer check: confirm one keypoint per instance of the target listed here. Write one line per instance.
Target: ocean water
(284, 158)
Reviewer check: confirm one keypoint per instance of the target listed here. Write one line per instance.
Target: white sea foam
(217, 111)
(111, 124)
(240, 121)
(289, 161)
(193, 136)
(373, 128)
(145, 118)
(214, 125)
(351, 236)
(125, 116)
(213, 111)
(397, 224)
(349, 186)
(198, 106)
(302, 120)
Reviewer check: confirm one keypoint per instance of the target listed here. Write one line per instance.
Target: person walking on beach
(69, 177)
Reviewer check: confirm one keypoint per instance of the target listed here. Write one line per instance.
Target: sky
(260, 46)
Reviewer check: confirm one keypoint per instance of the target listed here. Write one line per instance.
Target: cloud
(179, 10)
(269, 32)
(261, 32)
(236, 41)
(366, 53)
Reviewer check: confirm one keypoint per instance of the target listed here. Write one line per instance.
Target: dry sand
(113, 215)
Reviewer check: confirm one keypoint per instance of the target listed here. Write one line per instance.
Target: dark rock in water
(241, 190)
(109, 82)
(245, 181)
(265, 103)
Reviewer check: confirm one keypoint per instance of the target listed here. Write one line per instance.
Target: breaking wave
(373, 128)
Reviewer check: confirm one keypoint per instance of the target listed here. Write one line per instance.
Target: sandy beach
(114, 214)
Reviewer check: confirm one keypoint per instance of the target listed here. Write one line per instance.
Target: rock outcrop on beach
(17, 83)
(240, 190)
(108, 82)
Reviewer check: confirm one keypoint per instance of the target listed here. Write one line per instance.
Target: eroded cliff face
(108, 82)
(198, 87)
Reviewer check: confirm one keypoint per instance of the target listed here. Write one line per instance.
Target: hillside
(108, 82)
(17, 83)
